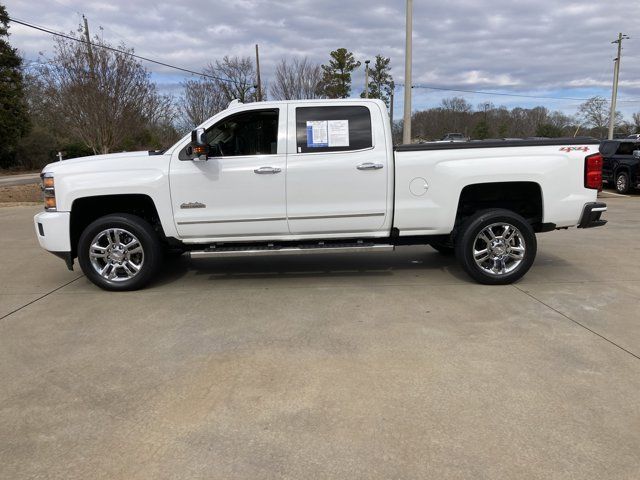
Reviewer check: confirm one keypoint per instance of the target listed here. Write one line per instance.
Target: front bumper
(52, 230)
(591, 215)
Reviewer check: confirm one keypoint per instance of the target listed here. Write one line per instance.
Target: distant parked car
(454, 137)
(621, 164)
(635, 136)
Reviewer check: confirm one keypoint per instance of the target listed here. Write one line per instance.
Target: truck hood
(108, 162)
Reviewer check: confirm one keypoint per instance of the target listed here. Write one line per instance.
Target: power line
(106, 47)
(213, 77)
(430, 87)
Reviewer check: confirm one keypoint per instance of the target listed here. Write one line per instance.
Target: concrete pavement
(14, 180)
(360, 366)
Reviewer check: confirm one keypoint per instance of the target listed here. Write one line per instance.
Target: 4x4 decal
(574, 149)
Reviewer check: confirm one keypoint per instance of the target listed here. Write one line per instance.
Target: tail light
(593, 172)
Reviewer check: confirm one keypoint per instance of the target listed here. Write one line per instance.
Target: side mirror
(199, 147)
(197, 137)
(636, 154)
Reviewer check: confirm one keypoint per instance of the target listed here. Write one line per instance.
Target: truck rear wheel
(496, 247)
(119, 252)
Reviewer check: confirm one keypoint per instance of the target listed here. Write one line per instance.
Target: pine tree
(481, 131)
(14, 118)
(336, 76)
(380, 79)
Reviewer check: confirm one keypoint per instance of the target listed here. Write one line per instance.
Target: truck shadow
(405, 261)
(418, 260)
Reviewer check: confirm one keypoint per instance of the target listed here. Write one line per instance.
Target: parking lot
(361, 366)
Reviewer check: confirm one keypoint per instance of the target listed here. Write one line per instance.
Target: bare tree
(457, 115)
(456, 105)
(560, 120)
(233, 78)
(296, 79)
(161, 119)
(201, 99)
(595, 113)
(454, 112)
(102, 97)
(238, 78)
(636, 122)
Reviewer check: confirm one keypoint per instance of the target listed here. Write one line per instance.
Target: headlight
(49, 190)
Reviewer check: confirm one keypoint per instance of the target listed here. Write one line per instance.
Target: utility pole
(366, 78)
(88, 40)
(406, 130)
(259, 95)
(392, 90)
(614, 93)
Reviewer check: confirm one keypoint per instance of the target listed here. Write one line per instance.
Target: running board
(218, 252)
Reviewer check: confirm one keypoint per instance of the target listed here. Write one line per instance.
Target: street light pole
(366, 78)
(406, 130)
(614, 92)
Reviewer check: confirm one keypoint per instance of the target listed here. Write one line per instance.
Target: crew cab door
(240, 190)
(337, 170)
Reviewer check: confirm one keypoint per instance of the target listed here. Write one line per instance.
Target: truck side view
(621, 164)
(312, 177)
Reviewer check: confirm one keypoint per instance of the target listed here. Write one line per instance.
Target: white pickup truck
(312, 177)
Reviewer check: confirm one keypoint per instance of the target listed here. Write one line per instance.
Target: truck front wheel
(119, 252)
(496, 247)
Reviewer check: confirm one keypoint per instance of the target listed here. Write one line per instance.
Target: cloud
(521, 47)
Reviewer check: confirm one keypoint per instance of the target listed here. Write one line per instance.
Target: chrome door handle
(267, 170)
(370, 166)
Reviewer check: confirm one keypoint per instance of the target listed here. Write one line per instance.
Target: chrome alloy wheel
(116, 254)
(499, 249)
(621, 183)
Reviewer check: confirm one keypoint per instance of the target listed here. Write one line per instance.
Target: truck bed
(415, 147)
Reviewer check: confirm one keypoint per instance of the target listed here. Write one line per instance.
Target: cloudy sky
(541, 48)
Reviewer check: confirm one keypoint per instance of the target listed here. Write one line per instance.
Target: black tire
(444, 248)
(128, 227)
(622, 183)
(171, 253)
(523, 239)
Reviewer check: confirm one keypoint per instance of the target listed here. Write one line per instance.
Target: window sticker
(327, 133)
(317, 135)
(338, 133)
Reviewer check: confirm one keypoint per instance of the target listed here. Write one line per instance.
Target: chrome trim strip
(350, 215)
(261, 219)
(378, 248)
(282, 236)
(332, 152)
(271, 219)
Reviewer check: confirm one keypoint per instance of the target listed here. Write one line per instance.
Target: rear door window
(333, 129)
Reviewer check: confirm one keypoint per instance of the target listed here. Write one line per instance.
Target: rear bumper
(591, 215)
(52, 230)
